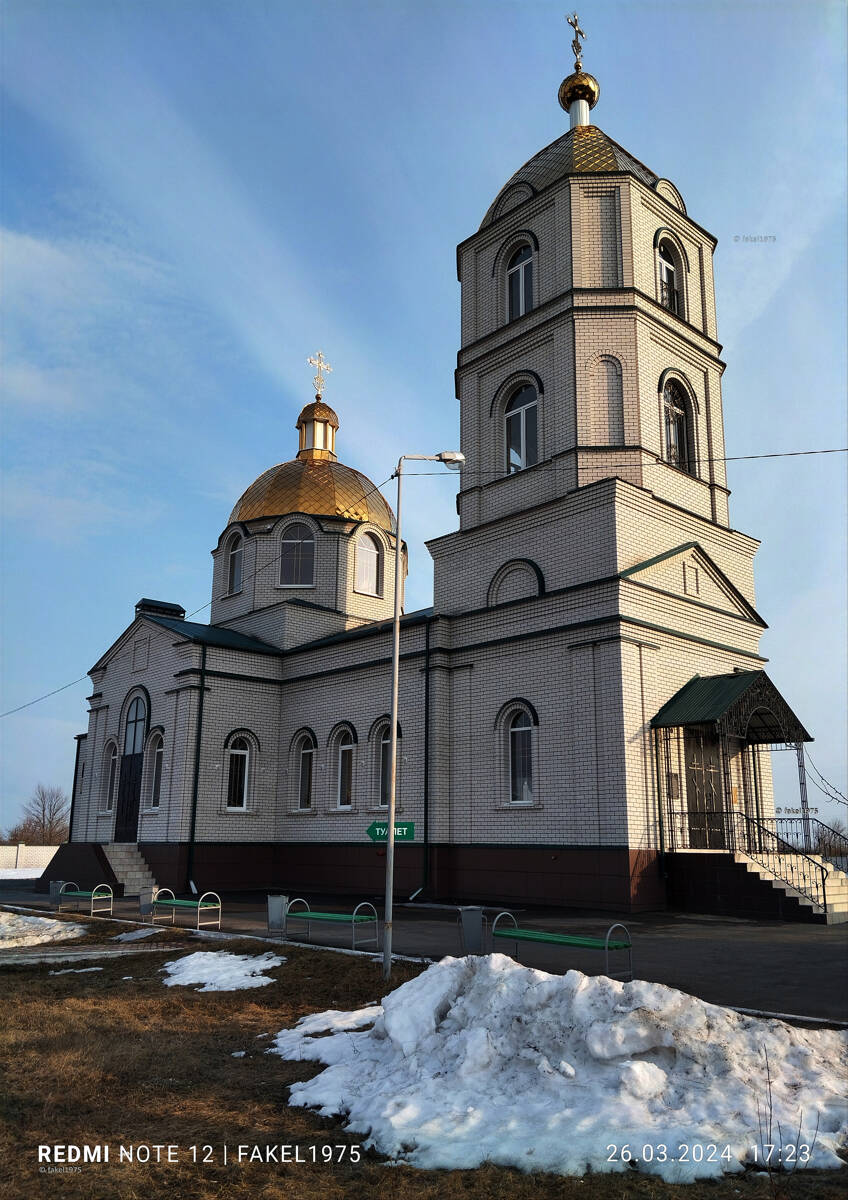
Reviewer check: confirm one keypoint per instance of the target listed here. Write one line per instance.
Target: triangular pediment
(688, 571)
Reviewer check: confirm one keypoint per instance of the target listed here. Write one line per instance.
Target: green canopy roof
(745, 704)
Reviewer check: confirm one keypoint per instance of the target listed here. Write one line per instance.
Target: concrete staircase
(129, 866)
(791, 873)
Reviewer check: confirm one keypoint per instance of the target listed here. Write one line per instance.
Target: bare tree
(45, 818)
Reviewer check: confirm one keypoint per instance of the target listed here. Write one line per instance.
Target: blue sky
(197, 195)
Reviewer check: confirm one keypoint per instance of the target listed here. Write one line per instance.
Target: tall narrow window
(111, 777)
(235, 553)
(521, 430)
(345, 769)
(678, 450)
(385, 765)
(369, 566)
(297, 556)
(669, 295)
(238, 755)
(306, 756)
(157, 750)
(519, 283)
(136, 721)
(521, 759)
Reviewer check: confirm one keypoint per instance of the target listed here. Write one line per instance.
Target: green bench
(354, 919)
(583, 942)
(204, 905)
(99, 898)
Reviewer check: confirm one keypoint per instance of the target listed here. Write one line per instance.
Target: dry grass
(94, 1058)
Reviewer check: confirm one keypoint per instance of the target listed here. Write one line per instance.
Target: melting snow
(221, 972)
(134, 935)
(75, 971)
(481, 1059)
(19, 930)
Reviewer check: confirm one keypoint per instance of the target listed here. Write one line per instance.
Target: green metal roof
(705, 700)
(214, 635)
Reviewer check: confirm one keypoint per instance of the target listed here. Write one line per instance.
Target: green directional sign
(378, 831)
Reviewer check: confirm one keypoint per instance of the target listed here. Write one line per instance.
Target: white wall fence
(22, 855)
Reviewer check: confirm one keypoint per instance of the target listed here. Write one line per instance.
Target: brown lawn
(93, 1058)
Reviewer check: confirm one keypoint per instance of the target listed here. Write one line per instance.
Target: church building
(584, 718)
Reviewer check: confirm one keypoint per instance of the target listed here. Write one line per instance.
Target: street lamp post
(452, 459)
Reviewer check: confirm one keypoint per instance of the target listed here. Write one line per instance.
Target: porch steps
(129, 866)
(788, 877)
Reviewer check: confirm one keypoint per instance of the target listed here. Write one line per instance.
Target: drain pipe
(190, 885)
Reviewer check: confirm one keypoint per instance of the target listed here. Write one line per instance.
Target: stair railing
(737, 832)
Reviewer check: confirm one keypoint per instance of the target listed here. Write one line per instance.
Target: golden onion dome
(315, 482)
(579, 86)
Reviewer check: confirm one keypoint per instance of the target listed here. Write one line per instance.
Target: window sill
(106, 812)
(303, 812)
(287, 587)
(370, 595)
(351, 808)
(229, 595)
(150, 812)
(520, 806)
(239, 812)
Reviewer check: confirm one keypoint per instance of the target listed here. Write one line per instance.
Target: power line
(838, 796)
(657, 461)
(46, 696)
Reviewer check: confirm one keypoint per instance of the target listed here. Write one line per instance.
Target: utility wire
(832, 787)
(657, 461)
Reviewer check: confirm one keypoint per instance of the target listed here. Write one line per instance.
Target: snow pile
(19, 930)
(20, 872)
(482, 1059)
(221, 972)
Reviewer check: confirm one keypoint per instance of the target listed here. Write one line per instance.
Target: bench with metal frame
(581, 941)
(100, 898)
(202, 905)
(354, 919)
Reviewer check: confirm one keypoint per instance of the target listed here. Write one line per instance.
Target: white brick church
(584, 718)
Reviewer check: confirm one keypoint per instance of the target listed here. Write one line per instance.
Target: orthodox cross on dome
(576, 48)
(321, 365)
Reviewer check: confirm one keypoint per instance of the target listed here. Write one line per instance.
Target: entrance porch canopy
(744, 705)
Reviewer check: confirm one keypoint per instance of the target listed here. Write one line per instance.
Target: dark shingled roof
(583, 150)
(214, 635)
(705, 700)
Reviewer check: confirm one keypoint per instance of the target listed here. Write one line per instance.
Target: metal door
(704, 791)
(129, 796)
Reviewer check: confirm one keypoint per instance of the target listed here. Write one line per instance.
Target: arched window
(156, 750)
(522, 448)
(238, 770)
(384, 765)
(306, 763)
(297, 556)
(519, 283)
(136, 723)
(235, 554)
(369, 566)
(521, 759)
(344, 746)
(669, 282)
(678, 439)
(110, 776)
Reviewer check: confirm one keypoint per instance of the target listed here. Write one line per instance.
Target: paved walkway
(794, 969)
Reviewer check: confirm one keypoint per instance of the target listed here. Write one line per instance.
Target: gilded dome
(319, 486)
(586, 149)
(579, 86)
(318, 411)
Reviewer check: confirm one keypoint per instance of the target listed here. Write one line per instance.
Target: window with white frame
(297, 556)
(157, 755)
(238, 771)
(521, 427)
(235, 556)
(306, 766)
(110, 776)
(678, 430)
(520, 759)
(136, 727)
(369, 566)
(519, 283)
(669, 282)
(384, 765)
(344, 770)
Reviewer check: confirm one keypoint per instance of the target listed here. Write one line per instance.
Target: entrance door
(703, 791)
(129, 796)
(129, 788)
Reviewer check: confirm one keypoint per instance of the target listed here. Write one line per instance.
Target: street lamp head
(453, 459)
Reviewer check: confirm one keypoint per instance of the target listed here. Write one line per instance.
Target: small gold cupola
(578, 92)
(317, 423)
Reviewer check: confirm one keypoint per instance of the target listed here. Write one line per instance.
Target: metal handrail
(738, 832)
